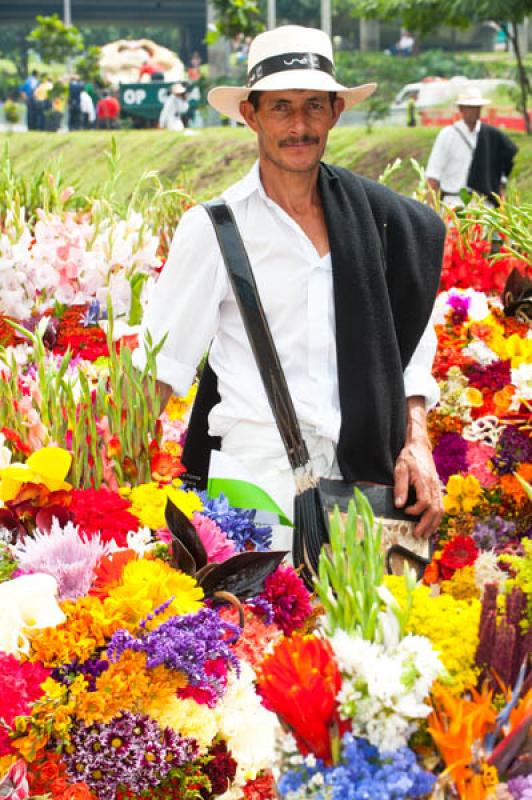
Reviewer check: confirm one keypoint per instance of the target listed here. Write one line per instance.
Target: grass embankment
(209, 160)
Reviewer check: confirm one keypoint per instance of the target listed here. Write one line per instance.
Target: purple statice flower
(460, 308)
(90, 669)
(69, 556)
(131, 751)
(521, 787)
(187, 644)
(238, 524)
(262, 607)
(493, 532)
(513, 448)
(450, 455)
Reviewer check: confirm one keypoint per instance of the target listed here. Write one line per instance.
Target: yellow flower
(187, 717)
(450, 624)
(451, 505)
(471, 486)
(149, 502)
(455, 485)
(147, 584)
(177, 407)
(462, 584)
(49, 466)
(474, 397)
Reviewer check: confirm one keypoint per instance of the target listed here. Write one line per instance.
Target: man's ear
(247, 110)
(338, 107)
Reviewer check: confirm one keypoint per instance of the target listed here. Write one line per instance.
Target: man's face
(292, 126)
(470, 115)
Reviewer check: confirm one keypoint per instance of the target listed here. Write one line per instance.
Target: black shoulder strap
(464, 138)
(259, 334)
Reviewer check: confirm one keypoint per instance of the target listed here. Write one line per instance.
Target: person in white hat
(347, 272)
(469, 154)
(174, 109)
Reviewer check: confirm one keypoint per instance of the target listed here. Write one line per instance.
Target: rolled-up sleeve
(184, 304)
(418, 378)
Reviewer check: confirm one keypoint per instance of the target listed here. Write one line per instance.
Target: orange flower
(456, 725)
(299, 682)
(108, 573)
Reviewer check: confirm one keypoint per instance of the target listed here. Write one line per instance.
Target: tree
(234, 17)
(423, 16)
(54, 41)
(14, 46)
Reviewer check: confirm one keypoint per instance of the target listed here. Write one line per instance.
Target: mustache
(295, 140)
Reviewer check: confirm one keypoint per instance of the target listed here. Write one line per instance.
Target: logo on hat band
(287, 62)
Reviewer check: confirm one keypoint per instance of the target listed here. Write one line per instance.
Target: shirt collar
(244, 188)
(461, 124)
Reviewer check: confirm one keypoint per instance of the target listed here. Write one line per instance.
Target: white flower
(522, 380)
(248, 728)
(27, 603)
(487, 570)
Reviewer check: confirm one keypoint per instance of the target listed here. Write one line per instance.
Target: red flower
(103, 511)
(289, 597)
(459, 552)
(299, 681)
(261, 788)
(21, 685)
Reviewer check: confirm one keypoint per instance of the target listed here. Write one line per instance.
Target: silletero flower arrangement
(481, 437)
(377, 701)
(123, 675)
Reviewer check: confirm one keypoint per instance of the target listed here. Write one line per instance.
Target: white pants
(260, 449)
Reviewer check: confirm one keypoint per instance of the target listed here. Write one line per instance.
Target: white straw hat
(289, 57)
(471, 97)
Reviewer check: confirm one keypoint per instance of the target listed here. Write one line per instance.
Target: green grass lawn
(209, 160)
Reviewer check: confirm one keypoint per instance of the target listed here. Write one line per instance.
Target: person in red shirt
(107, 111)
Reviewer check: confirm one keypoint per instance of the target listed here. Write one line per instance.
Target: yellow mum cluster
(147, 584)
(148, 502)
(462, 494)
(514, 348)
(450, 624)
(177, 407)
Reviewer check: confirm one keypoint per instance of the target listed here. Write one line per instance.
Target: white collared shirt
(451, 156)
(194, 304)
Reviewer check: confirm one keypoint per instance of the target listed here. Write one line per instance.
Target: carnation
(461, 551)
(21, 686)
(450, 455)
(290, 599)
(105, 512)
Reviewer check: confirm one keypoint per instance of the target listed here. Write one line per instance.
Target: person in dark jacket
(470, 154)
(347, 271)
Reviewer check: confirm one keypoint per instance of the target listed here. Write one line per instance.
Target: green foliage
(11, 111)
(14, 46)
(54, 41)
(88, 66)
(234, 17)
(353, 67)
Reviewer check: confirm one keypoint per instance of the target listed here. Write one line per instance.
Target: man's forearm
(416, 421)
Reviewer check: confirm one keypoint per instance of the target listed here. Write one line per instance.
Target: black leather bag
(315, 498)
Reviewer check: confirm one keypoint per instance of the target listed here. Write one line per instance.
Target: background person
(347, 271)
(107, 111)
(470, 154)
(27, 90)
(88, 112)
(174, 109)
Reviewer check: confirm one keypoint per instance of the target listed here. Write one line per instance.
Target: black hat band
(287, 62)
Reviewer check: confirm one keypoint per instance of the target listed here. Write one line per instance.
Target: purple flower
(90, 669)
(131, 751)
(493, 532)
(513, 448)
(493, 376)
(460, 306)
(450, 455)
(238, 524)
(187, 644)
(521, 787)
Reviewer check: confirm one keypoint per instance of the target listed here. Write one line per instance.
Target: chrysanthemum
(147, 584)
(64, 553)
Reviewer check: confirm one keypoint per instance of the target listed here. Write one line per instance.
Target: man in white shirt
(470, 154)
(327, 285)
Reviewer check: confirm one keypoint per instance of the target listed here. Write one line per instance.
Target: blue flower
(238, 524)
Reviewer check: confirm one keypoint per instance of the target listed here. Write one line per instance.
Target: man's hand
(415, 467)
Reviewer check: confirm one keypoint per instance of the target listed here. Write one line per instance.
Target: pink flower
(217, 545)
(478, 457)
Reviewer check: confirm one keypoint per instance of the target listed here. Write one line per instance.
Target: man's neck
(295, 192)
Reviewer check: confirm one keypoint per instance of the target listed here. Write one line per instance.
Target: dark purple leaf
(182, 529)
(181, 558)
(243, 575)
